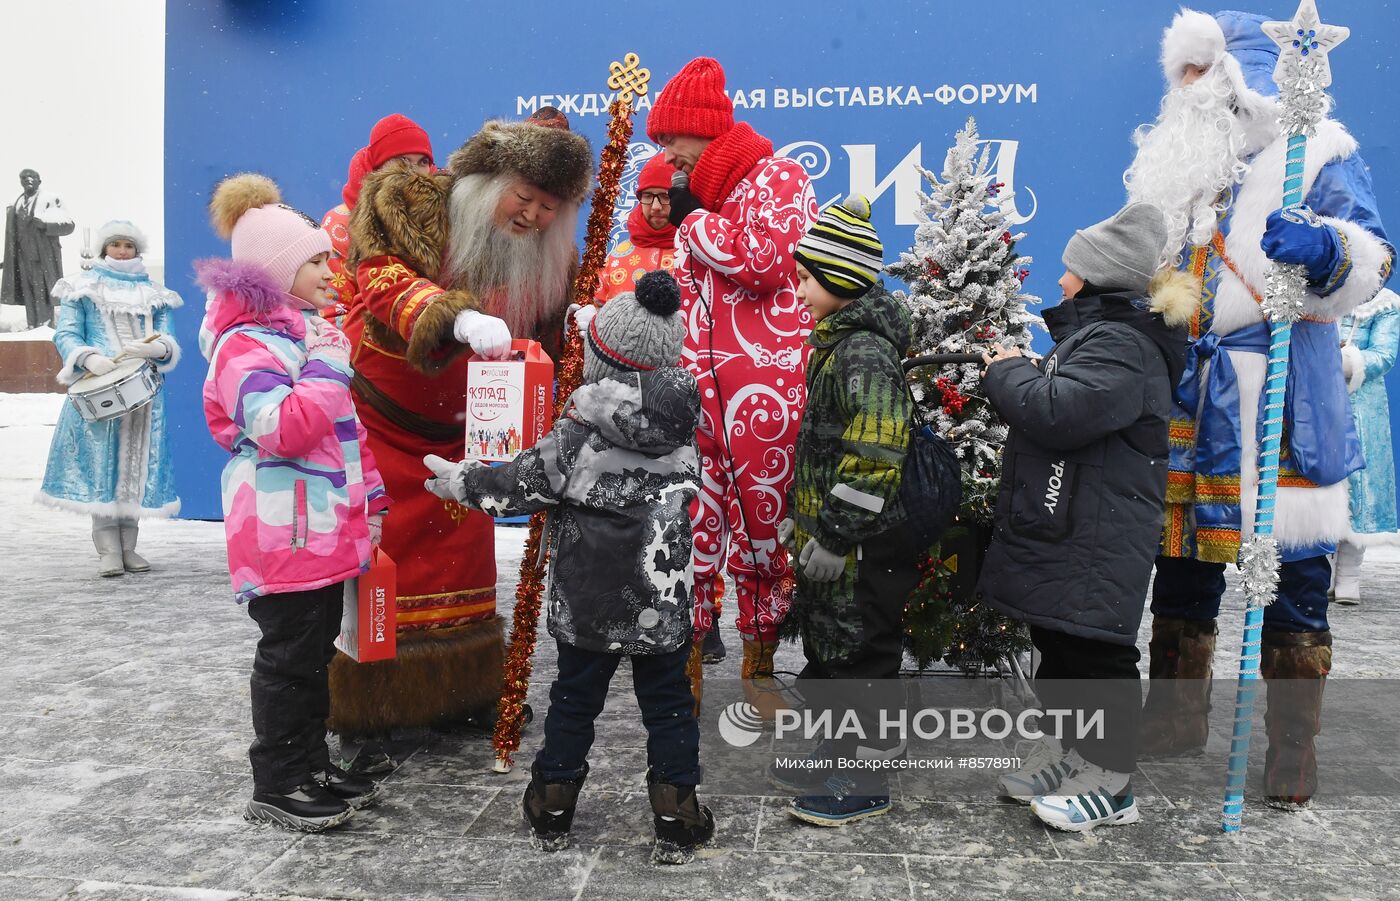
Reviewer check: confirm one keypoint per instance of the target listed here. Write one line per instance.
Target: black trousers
(289, 685)
(866, 678)
(663, 694)
(1085, 674)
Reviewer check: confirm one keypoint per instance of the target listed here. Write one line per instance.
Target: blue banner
(861, 94)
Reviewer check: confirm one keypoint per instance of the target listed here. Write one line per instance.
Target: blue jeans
(1191, 590)
(663, 692)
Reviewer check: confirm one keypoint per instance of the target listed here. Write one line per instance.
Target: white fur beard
(519, 278)
(1188, 159)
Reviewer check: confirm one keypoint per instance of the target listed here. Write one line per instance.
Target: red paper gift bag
(370, 620)
(510, 402)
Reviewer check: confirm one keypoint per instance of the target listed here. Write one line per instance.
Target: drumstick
(146, 340)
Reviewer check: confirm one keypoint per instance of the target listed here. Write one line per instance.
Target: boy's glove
(683, 203)
(97, 364)
(819, 564)
(786, 529)
(1298, 236)
(487, 335)
(449, 480)
(376, 528)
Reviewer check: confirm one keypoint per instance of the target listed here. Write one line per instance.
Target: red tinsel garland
(510, 716)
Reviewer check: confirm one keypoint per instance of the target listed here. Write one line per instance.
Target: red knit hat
(655, 174)
(359, 168)
(396, 135)
(693, 103)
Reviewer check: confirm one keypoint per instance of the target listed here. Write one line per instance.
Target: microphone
(680, 180)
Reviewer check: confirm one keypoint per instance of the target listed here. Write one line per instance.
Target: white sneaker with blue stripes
(1091, 798)
(1044, 769)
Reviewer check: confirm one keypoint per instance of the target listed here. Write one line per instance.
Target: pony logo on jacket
(1052, 486)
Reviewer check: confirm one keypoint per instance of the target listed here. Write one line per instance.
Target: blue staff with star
(1302, 74)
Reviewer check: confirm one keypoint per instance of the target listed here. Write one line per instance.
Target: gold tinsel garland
(510, 715)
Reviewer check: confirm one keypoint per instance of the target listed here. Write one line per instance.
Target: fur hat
(637, 331)
(247, 211)
(120, 228)
(552, 159)
(1232, 40)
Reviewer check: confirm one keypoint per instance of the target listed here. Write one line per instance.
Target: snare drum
(129, 387)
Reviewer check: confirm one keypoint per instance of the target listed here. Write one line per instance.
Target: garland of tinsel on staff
(510, 715)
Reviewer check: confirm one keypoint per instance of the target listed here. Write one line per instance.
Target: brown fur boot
(695, 669)
(439, 676)
(1294, 666)
(1176, 717)
(760, 688)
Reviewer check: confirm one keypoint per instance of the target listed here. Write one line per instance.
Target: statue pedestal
(29, 365)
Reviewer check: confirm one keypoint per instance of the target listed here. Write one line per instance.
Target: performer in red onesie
(738, 222)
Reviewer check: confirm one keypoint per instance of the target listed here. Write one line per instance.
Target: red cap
(656, 173)
(396, 135)
(693, 103)
(359, 168)
(549, 117)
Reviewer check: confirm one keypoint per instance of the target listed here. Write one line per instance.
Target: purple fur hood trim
(250, 283)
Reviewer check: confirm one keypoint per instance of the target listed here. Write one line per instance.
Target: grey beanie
(636, 332)
(1123, 251)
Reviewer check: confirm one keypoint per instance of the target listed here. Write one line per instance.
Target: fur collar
(401, 213)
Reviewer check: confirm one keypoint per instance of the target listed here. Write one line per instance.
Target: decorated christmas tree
(964, 279)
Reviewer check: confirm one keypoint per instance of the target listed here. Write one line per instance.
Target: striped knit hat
(842, 250)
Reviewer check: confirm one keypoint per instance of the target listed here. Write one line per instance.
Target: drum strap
(407, 420)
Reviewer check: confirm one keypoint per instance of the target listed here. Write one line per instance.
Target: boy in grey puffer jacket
(619, 468)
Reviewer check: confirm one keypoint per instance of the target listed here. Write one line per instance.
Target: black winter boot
(357, 791)
(309, 808)
(549, 809)
(683, 824)
(712, 650)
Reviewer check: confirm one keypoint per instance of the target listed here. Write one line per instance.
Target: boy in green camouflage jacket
(856, 564)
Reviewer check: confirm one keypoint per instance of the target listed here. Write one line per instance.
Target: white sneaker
(1041, 773)
(1086, 800)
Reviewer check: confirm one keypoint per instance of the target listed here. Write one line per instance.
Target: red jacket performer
(651, 238)
(464, 258)
(738, 222)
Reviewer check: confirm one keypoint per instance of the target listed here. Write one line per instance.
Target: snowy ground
(123, 770)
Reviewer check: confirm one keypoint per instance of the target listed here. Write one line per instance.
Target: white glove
(786, 529)
(1352, 363)
(582, 315)
(97, 364)
(819, 564)
(448, 480)
(376, 527)
(155, 349)
(487, 335)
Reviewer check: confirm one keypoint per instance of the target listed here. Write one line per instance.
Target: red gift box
(510, 402)
(369, 623)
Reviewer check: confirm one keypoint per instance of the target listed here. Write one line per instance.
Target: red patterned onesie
(745, 333)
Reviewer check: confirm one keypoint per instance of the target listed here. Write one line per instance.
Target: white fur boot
(132, 561)
(107, 538)
(1346, 573)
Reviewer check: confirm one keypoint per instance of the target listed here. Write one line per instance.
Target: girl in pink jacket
(303, 501)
